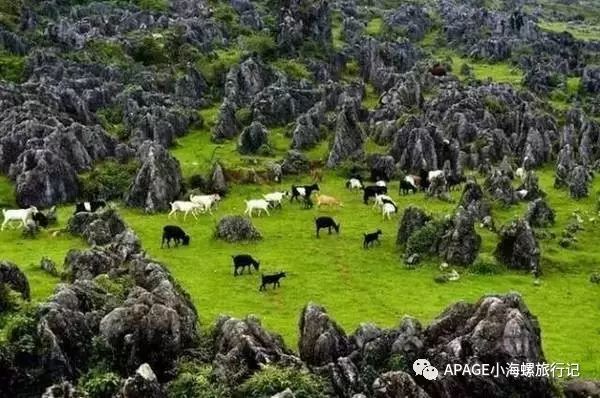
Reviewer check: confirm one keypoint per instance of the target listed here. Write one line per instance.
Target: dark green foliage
(150, 50)
(117, 286)
(10, 13)
(494, 105)
(243, 116)
(108, 180)
(293, 68)
(262, 44)
(153, 5)
(214, 66)
(12, 67)
(100, 384)
(482, 267)
(272, 380)
(426, 239)
(111, 118)
(194, 380)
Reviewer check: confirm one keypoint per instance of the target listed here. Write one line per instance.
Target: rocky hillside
(95, 96)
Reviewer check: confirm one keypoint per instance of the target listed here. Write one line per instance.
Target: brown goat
(324, 200)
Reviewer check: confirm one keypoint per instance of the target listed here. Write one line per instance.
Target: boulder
(412, 219)
(143, 384)
(294, 163)
(578, 388)
(235, 229)
(80, 222)
(158, 181)
(252, 138)
(460, 244)
(397, 384)
(349, 137)
(88, 263)
(217, 182)
(12, 276)
(321, 339)
(244, 347)
(287, 393)
(590, 79)
(49, 266)
(383, 167)
(539, 214)
(43, 179)
(531, 185)
(499, 186)
(518, 248)
(307, 132)
(62, 390)
(578, 182)
(97, 233)
(498, 329)
(472, 199)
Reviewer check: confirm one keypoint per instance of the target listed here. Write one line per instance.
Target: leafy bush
(494, 105)
(272, 380)
(426, 239)
(482, 267)
(107, 52)
(293, 68)
(262, 44)
(243, 116)
(375, 27)
(109, 180)
(153, 5)
(111, 119)
(12, 67)
(10, 13)
(215, 66)
(100, 384)
(116, 286)
(150, 50)
(194, 380)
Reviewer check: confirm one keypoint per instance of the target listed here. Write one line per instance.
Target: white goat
(22, 215)
(521, 193)
(185, 208)
(275, 197)
(354, 183)
(381, 183)
(387, 210)
(206, 202)
(434, 174)
(256, 204)
(379, 200)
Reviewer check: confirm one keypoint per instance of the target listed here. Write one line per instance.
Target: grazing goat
(303, 191)
(326, 222)
(324, 200)
(242, 261)
(40, 219)
(22, 215)
(454, 181)
(354, 183)
(381, 183)
(406, 187)
(521, 194)
(89, 207)
(257, 204)
(388, 209)
(206, 202)
(271, 280)
(424, 181)
(371, 238)
(380, 199)
(434, 174)
(371, 191)
(275, 198)
(185, 208)
(175, 233)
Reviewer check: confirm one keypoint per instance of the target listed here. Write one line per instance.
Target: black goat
(307, 202)
(454, 181)
(175, 233)
(326, 222)
(242, 261)
(406, 187)
(271, 280)
(424, 175)
(89, 206)
(303, 191)
(371, 191)
(40, 219)
(371, 238)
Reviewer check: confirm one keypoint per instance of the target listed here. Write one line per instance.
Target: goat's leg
(267, 211)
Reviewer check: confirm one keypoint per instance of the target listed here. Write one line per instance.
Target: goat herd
(378, 193)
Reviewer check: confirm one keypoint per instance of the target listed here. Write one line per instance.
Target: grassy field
(579, 31)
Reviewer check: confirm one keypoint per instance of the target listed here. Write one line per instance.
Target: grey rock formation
(321, 339)
(143, 384)
(412, 219)
(499, 186)
(397, 384)
(590, 79)
(473, 200)
(307, 132)
(295, 162)
(578, 182)
(235, 229)
(158, 181)
(349, 137)
(79, 223)
(12, 276)
(539, 214)
(252, 138)
(217, 181)
(460, 244)
(518, 248)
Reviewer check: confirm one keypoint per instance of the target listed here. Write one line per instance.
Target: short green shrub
(150, 50)
(482, 267)
(426, 239)
(494, 105)
(12, 67)
(293, 68)
(100, 384)
(261, 43)
(153, 5)
(272, 380)
(108, 180)
(214, 67)
(243, 116)
(115, 286)
(194, 380)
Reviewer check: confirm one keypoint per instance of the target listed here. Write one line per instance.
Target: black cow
(371, 191)
(175, 233)
(326, 222)
(271, 280)
(242, 261)
(89, 206)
